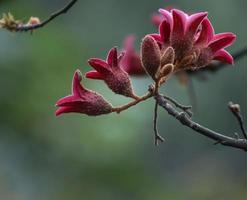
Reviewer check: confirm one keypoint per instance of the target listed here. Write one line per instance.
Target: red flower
(193, 39)
(131, 62)
(82, 100)
(111, 72)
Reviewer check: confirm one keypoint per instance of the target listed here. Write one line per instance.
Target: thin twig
(133, 103)
(235, 109)
(186, 121)
(49, 19)
(186, 109)
(157, 137)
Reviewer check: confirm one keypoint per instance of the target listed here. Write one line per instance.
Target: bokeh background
(112, 157)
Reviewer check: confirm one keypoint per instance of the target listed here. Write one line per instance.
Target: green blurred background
(112, 157)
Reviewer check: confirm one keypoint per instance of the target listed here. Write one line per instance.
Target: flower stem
(133, 103)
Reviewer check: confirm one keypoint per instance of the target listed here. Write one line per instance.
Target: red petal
(167, 15)
(112, 57)
(99, 65)
(179, 22)
(68, 100)
(194, 21)
(165, 31)
(221, 41)
(94, 75)
(67, 109)
(206, 34)
(77, 88)
(224, 56)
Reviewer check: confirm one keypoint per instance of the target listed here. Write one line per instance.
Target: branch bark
(49, 19)
(186, 121)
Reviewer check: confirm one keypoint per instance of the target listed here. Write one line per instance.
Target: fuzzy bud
(83, 100)
(235, 108)
(168, 56)
(166, 70)
(112, 74)
(150, 56)
(33, 21)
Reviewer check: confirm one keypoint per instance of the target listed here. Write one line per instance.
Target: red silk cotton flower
(82, 100)
(111, 72)
(131, 61)
(193, 39)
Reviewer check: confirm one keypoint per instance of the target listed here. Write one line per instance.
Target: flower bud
(83, 100)
(110, 71)
(168, 56)
(150, 56)
(33, 21)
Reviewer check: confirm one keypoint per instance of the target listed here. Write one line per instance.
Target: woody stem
(120, 109)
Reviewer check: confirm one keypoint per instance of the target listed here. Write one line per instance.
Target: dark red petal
(165, 31)
(77, 88)
(94, 75)
(179, 22)
(99, 65)
(67, 109)
(112, 57)
(221, 41)
(167, 15)
(224, 56)
(68, 100)
(193, 22)
(206, 34)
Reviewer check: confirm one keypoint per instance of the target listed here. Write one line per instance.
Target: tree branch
(23, 27)
(235, 109)
(157, 137)
(186, 121)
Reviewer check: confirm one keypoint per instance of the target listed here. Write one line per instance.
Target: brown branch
(133, 103)
(24, 27)
(235, 109)
(186, 121)
(186, 109)
(157, 137)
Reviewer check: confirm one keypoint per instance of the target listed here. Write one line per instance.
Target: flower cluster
(183, 42)
(9, 22)
(193, 39)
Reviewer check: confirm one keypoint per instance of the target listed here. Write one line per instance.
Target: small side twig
(186, 121)
(236, 111)
(30, 27)
(186, 109)
(157, 137)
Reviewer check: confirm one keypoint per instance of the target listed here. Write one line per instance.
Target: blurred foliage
(111, 157)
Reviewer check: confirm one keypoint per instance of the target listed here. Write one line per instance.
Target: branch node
(236, 111)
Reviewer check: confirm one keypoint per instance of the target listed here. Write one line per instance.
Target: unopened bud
(168, 56)
(235, 108)
(150, 56)
(33, 21)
